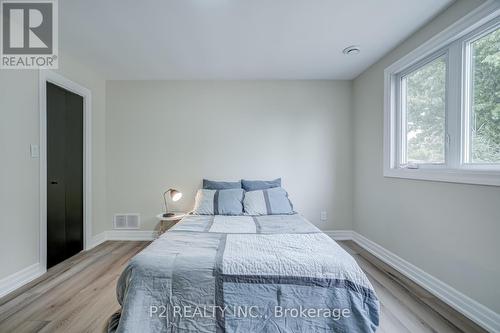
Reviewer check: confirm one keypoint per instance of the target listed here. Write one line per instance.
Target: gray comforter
(244, 274)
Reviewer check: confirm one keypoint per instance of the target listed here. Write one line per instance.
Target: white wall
(163, 134)
(19, 189)
(449, 230)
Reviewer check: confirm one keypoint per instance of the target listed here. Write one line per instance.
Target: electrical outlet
(323, 217)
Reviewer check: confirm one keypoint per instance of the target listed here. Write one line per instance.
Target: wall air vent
(126, 221)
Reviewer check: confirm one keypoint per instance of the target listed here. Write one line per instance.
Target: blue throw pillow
(254, 185)
(215, 185)
(219, 202)
(267, 202)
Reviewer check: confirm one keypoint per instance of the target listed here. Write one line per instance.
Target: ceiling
(236, 39)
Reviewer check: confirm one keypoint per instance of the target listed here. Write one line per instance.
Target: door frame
(59, 80)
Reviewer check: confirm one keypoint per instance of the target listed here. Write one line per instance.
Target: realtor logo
(29, 34)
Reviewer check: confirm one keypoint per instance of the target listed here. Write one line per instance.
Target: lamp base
(168, 214)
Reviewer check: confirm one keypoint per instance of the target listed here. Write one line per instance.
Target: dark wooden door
(64, 174)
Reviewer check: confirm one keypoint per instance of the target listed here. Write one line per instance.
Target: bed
(271, 273)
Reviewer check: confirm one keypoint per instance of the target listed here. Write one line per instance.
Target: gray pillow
(267, 202)
(219, 202)
(254, 185)
(216, 185)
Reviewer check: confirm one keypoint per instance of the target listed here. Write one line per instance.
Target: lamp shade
(175, 195)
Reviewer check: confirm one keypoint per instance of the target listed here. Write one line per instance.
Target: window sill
(477, 177)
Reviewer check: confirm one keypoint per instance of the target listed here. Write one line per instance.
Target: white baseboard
(97, 239)
(135, 235)
(477, 312)
(20, 278)
(132, 235)
(340, 234)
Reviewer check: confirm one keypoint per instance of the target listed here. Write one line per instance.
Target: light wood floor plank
(426, 306)
(68, 291)
(61, 288)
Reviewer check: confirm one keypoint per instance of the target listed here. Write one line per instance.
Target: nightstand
(168, 222)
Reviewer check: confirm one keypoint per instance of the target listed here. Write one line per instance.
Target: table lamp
(175, 196)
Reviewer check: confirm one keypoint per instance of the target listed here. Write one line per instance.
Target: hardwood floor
(404, 305)
(78, 295)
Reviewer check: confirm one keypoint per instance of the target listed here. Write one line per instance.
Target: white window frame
(452, 43)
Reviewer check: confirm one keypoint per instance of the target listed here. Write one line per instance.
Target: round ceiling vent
(352, 50)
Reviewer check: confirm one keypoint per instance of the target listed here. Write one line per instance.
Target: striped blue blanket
(274, 273)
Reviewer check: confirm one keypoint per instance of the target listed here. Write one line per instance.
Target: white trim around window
(452, 45)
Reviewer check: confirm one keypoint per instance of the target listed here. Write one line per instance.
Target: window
(484, 106)
(442, 105)
(423, 114)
